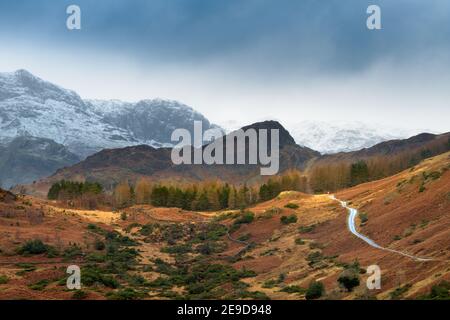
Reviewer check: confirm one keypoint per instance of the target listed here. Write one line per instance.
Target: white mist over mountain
(340, 136)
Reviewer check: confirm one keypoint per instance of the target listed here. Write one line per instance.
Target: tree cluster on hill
(330, 177)
(82, 194)
(71, 189)
(206, 196)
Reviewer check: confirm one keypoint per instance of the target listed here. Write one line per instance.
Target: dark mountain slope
(25, 159)
(112, 166)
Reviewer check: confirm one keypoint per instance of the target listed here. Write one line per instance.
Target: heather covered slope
(275, 248)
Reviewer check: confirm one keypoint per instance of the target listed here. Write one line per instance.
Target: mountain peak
(285, 136)
(24, 73)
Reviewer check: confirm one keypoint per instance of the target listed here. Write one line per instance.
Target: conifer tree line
(206, 196)
(330, 177)
(216, 195)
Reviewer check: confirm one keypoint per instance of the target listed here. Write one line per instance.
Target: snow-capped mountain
(30, 106)
(336, 137)
(328, 138)
(149, 121)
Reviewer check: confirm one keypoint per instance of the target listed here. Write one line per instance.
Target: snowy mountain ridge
(334, 137)
(30, 106)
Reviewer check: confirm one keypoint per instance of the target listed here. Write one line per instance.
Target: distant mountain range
(39, 111)
(112, 166)
(44, 127)
(334, 137)
(30, 106)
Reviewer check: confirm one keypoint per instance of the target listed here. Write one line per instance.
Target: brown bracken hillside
(273, 250)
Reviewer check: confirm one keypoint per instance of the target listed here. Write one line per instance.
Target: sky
(245, 60)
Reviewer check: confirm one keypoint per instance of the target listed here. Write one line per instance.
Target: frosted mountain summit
(30, 106)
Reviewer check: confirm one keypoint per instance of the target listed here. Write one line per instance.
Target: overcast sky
(249, 60)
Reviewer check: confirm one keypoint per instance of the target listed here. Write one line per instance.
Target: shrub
(40, 285)
(400, 291)
(363, 217)
(245, 218)
(315, 290)
(299, 241)
(125, 294)
(256, 295)
(147, 229)
(72, 252)
(349, 279)
(294, 289)
(79, 295)
(177, 249)
(291, 205)
(270, 284)
(33, 247)
(92, 275)
(3, 279)
(314, 258)
(99, 245)
(306, 229)
(288, 219)
(26, 267)
(440, 291)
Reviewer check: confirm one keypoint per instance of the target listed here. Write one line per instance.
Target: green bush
(422, 188)
(125, 294)
(33, 247)
(306, 229)
(363, 217)
(294, 289)
(315, 290)
(99, 245)
(400, 291)
(245, 218)
(288, 219)
(270, 283)
(349, 279)
(72, 252)
(440, 291)
(177, 249)
(3, 279)
(92, 275)
(79, 295)
(291, 205)
(299, 241)
(40, 285)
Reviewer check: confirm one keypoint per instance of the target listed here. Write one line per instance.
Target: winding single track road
(353, 213)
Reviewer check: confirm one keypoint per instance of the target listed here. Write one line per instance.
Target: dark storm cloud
(271, 37)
